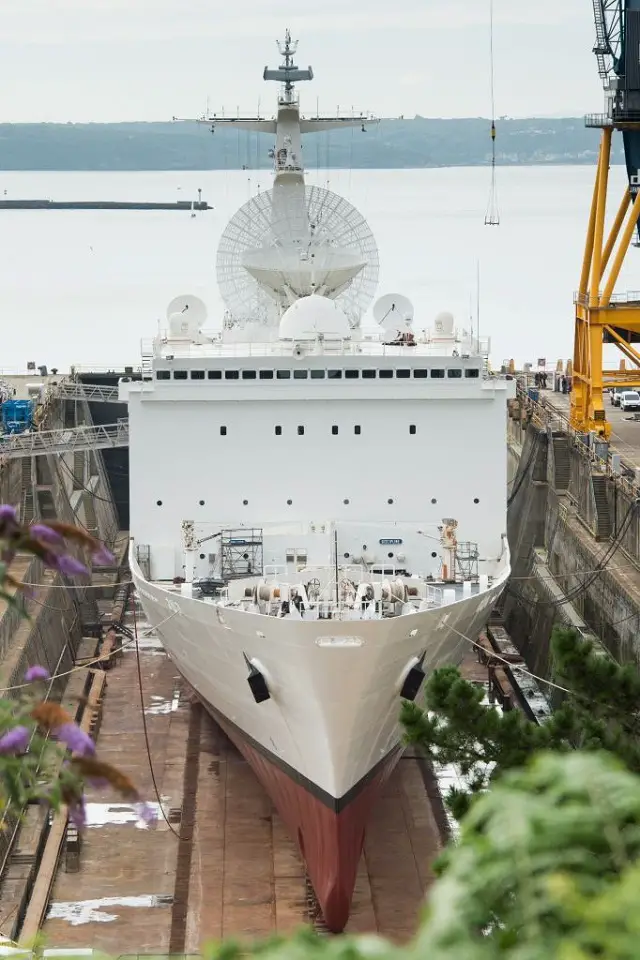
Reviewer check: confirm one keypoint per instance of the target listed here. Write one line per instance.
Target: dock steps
(561, 463)
(603, 525)
(32, 444)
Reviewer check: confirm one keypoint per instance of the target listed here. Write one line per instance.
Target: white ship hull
(331, 725)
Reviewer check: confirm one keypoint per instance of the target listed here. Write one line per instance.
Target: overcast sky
(108, 60)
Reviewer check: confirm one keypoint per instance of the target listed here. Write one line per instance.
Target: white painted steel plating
(398, 431)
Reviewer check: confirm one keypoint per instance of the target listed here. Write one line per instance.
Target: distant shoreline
(416, 143)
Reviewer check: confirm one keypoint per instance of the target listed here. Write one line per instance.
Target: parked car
(630, 400)
(616, 393)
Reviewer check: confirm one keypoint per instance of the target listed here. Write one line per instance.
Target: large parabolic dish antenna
(337, 236)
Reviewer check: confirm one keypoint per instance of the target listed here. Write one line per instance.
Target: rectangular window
(300, 374)
(232, 374)
(369, 374)
(300, 431)
(437, 374)
(266, 374)
(197, 374)
(179, 374)
(214, 374)
(420, 374)
(472, 374)
(278, 431)
(385, 374)
(403, 374)
(163, 375)
(317, 374)
(412, 428)
(334, 374)
(454, 374)
(351, 374)
(283, 374)
(357, 429)
(334, 430)
(248, 375)
(290, 555)
(223, 431)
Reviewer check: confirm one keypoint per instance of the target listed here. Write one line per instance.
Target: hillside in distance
(394, 144)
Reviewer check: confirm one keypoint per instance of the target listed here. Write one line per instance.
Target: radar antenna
(598, 319)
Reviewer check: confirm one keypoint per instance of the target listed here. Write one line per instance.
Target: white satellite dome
(444, 324)
(314, 316)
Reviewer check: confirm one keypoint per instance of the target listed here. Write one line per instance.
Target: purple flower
(68, 565)
(76, 739)
(45, 534)
(146, 812)
(103, 557)
(15, 741)
(78, 814)
(8, 519)
(36, 672)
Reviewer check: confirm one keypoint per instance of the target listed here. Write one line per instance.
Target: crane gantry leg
(601, 316)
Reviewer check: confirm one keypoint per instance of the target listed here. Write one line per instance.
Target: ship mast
(288, 125)
(288, 252)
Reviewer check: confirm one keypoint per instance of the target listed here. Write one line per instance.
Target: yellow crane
(602, 315)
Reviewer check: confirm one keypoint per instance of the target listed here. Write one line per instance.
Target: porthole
(347, 555)
(159, 503)
(390, 500)
(202, 556)
(289, 502)
(390, 555)
(434, 554)
(433, 500)
(245, 556)
(201, 502)
(346, 503)
(476, 500)
(364, 546)
(245, 503)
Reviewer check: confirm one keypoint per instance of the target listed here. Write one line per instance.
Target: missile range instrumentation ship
(318, 509)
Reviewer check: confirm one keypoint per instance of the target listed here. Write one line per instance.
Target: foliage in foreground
(455, 727)
(44, 755)
(553, 850)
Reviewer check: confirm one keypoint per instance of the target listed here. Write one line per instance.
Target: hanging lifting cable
(492, 216)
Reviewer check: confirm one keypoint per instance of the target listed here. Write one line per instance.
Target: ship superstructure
(318, 511)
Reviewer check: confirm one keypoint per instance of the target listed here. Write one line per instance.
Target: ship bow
(329, 831)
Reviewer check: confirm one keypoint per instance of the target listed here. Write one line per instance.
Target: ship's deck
(440, 594)
(370, 345)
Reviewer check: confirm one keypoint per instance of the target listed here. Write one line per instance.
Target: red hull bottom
(330, 839)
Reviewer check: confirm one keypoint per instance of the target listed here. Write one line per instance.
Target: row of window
(453, 373)
(335, 430)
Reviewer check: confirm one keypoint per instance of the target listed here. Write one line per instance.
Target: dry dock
(218, 862)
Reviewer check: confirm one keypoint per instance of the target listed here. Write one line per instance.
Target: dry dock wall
(574, 531)
(47, 624)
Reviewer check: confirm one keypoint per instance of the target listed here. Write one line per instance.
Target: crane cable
(492, 216)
